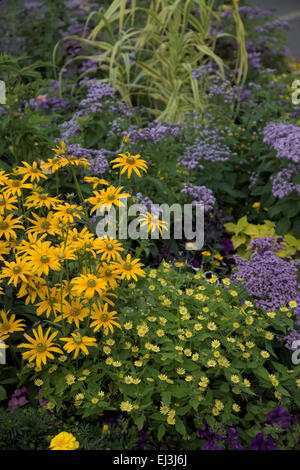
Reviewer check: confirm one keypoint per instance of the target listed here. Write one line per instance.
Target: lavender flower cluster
(285, 139)
(96, 158)
(282, 185)
(201, 195)
(209, 147)
(154, 132)
(271, 280)
(46, 102)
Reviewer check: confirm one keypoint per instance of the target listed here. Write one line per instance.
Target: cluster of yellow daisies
(51, 256)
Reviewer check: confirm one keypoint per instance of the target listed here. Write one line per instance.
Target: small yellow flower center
(111, 197)
(75, 237)
(91, 283)
(17, 269)
(4, 225)
(41, 347)
(88, 245)
(61, 256)
(45, 225)
(127, 266)
(2, 202)
(44, 259)
(104, 317)
(108, 272)
(130, 160)
(5, 326)
(43, 197)
(109, 246)
(69, 210)
(60, 225)
(78, 339)
(75, 311)
(16, 184)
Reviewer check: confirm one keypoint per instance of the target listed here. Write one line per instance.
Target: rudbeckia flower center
(91, 283)
(111, 197)
(69, 210)
(16, 183)
(17, 269)
(77, 339)
(108, 272)
(5, 327)
(45, 225)
(3, 225)
(109, 246)
(88, 245)
(2, 202)
(44, 259)
(41, 347)
(61, 256)
(127, 266)
(74, 312)
(130, 160)
(104, 317)
(43, 197)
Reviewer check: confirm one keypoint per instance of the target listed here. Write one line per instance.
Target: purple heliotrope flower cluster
(96, 158)
(282, 185)
(271, 280)
(201, 195)
(154, 132)
(208, 147)
(285, 139)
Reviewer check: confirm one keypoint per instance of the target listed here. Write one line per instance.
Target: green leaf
(180, 427)
(3, 394)
(161, 431)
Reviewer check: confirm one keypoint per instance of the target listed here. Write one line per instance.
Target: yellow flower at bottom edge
(64, 441)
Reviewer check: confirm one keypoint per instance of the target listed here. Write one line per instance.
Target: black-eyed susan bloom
(9, 324)
(7, 203)
(88, 285)
(109, 274)
(41, 225)
(95, 181)
(74, 312)
(9, 225)
(16, 271)
(130, 163)
(40, 199)
(103, 318)
(109, 248)
(67, 212)
(14, 187)
(42, 257)
(78, 343)
(129, 269)
(106, 198)
(30, 171)
(40, 347)
(152, 222)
